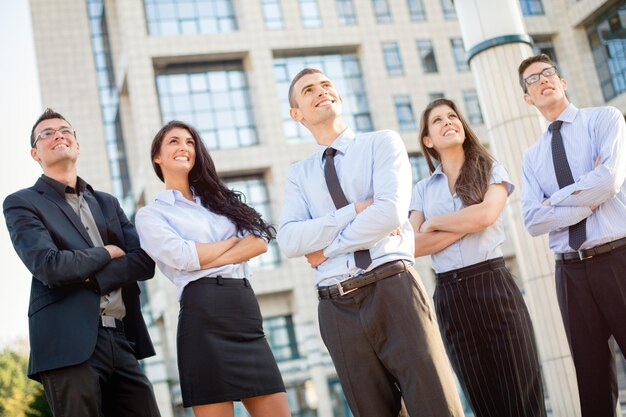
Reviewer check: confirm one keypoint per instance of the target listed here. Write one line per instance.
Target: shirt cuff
(562, 194)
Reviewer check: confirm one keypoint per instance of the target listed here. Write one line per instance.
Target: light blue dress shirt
(431, 196)
(369, 165)
(586, 133)
(169, 229)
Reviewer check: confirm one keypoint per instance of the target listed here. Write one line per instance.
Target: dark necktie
(578, 231)
(362, 258)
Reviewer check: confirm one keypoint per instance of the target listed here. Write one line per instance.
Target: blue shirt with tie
(369, 165)
(587, 134)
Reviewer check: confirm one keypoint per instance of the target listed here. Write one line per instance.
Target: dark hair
(208, 185)
(527, 63)
(306, 71)
(473, 180)
(47, 114)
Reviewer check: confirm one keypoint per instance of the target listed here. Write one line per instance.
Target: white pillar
(496, 42)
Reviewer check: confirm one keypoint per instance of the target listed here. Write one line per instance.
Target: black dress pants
(385, 344)
(109, 384)
(592, 298)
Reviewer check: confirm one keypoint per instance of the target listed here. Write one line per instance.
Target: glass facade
(310, 14)
(344, 71)
(472, 107)
(419, 167)
(404, 113)
(427, 55)
(447, 7)
(416, 10)
(531, 7)
(382, 11)
(109, 104)
(607, 38)
(281, 337)
(543, 45)
(340, 405)
(184, 17)
(434, 96)
(272, 14)
(346, 12)
(256, 196)
(393, 60)
(214, 98)
(458, 52)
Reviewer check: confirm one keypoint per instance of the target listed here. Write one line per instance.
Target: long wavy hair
(208, 185)
(473, 180)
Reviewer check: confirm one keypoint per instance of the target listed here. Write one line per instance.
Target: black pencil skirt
(223, 354)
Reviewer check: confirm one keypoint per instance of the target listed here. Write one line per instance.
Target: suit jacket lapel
(53, 196)
(98, 216)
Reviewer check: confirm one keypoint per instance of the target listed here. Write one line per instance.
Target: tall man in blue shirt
(346, 210)
(574, 189)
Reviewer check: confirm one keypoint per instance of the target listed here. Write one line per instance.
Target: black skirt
(223, 354)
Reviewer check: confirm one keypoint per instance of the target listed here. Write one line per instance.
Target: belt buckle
(341, 290)
(581, 256)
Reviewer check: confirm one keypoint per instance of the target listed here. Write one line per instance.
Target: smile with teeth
(325, 102)
(182, 158)
(450, 132)
(59, 145)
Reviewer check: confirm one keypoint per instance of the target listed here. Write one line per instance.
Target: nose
(321, 91)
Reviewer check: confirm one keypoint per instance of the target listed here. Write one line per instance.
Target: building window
(543, 45)
(393, 60)
(213, 98)
(419, 167)
(607, 38)
(382, 11)
(109, 104)
(416, 10)
(531, 7)
(256, 196)
(474, 114)
(404, 112)
(310, 14)
(435, 96)
(346, 12)
(272, 14)
(458, 52)
(427, 55)
(281, 337)
(344, 71)
(447, 6)
(338, 399)
(183, 17)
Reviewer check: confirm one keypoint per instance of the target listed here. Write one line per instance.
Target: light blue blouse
(431, 196)
(169, 229)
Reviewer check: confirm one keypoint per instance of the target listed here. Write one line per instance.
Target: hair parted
(305, 71)
(527, 63)
(208, 185)
(473, 180)
(47, 114)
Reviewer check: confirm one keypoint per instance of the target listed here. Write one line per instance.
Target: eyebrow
(312, 84)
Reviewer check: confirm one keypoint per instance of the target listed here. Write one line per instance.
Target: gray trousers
(385, 344)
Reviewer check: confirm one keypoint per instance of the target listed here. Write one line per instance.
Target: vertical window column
(472, 106)
(272, 14)
(427, 55)
(393, 60)
(404, 112)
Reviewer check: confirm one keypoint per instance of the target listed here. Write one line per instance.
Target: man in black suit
(85, 323)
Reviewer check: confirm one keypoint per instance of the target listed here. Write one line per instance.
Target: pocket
(44, 300)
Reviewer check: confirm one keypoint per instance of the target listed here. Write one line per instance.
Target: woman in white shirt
(201, 236)
(456, 215)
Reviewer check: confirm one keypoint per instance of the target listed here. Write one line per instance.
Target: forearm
(468, 220)
(433, 242)
(541, 219)
(246, 249)
(211, 251)
(595, 188)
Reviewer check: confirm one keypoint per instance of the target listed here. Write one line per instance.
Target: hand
(114, 251)
(362, 205)
(316, 258)
(598, 161)
(546, 202)
(396, 232)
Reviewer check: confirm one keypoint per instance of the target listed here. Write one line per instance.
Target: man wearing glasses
(85, 324)
(574, 189)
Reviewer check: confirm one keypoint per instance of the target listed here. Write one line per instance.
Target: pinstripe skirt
(223, 354)
(489, 338)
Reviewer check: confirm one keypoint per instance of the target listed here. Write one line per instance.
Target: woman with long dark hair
(201, 236)
(456, 214)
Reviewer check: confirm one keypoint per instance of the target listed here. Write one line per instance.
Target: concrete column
(496, 42)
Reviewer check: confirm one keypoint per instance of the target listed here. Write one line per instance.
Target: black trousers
(110, 383)
(489, 337)
(385, 344)
(592, 298)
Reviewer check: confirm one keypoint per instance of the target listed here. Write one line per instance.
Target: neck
(553, 111)
(326, 132)
(452, 161)
(65, 176)
(180, 183)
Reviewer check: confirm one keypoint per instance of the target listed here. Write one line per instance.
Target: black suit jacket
(53, 244)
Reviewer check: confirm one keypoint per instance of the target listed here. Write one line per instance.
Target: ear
(157, 159)
(78, 147)
(295, 114)
(528, 99)
(427, 142)
(34, 154)
(564, 82)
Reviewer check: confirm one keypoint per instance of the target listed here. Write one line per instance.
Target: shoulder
(299, 167)
(20, 196)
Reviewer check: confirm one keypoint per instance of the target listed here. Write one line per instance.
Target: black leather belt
(583, 254)
(109, 322)
(456, 275)
(352, 284)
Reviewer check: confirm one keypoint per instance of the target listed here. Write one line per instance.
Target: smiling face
(315, 100)
(177, 153)
(547, 94)
(445, 129)
(56, 148)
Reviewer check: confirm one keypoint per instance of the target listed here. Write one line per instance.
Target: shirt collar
(437, 171)
(61, 188)
(341, 143)
(171, 196)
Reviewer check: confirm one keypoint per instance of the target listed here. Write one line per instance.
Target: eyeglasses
(50, 133)
(547, 72)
